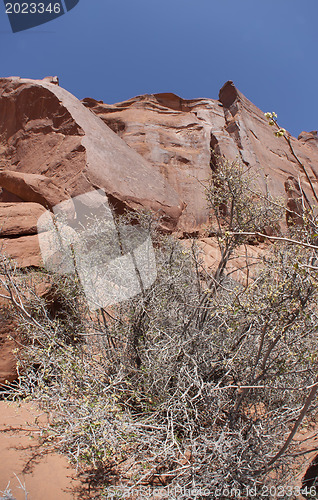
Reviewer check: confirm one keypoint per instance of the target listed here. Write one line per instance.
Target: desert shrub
(195, 382)
(7, 494)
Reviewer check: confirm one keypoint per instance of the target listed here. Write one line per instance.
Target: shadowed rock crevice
(311, 478)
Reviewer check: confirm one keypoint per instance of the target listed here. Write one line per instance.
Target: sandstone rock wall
(153, 151)
(46, 131)
(179, 135)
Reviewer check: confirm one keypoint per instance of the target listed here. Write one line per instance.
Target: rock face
(32, 187)
(179, 136)
(174, 135)
(153, 151)
(46, 131)
(309, 138)
(258, 148)
(19, 218)
(25, 250)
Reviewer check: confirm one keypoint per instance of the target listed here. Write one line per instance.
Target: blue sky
(116, 49)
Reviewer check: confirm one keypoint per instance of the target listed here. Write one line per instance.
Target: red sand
(49, 477)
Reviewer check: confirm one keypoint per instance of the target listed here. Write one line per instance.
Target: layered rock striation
(153, 151)
(184, 138)
(53, 148)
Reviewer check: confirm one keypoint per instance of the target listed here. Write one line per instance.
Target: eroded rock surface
(174, 135)
(44, 130)
(153, 151)
(259, 149)
(33, 188)
(179, 136)
(53, 147)
(19, 218)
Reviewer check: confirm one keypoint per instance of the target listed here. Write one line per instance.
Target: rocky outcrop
(19, 218)
(32, 187)
(18, 232)
(25, 250)
(46, 131)
(258, 148)
(152, 151)
(184, 137)
(174, 135)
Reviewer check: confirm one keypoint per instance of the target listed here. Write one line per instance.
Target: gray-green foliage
(199, 379)
(7, 495)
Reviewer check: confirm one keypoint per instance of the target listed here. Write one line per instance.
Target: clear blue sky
(116, 49)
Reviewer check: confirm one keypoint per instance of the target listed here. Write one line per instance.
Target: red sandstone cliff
(152, 151)
(54, 147)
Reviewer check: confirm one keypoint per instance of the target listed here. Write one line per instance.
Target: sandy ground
(48, 476)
